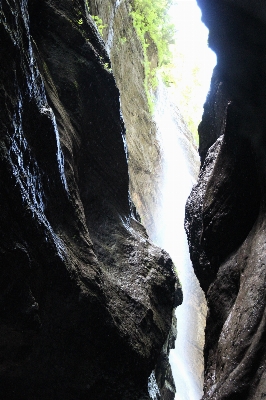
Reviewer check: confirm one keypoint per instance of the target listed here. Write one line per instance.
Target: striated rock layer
(86, 298)
(127, 59)
(225, 215)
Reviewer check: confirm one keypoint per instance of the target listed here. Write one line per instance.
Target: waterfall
(179, 169)
(110, 36)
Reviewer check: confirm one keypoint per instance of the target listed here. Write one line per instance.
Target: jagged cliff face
(226, 209)
(86, 298)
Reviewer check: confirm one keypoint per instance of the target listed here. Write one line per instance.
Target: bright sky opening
(193, 59)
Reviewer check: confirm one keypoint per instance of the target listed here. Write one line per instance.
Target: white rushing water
(179, 172)
(110, 36)
(176, 183)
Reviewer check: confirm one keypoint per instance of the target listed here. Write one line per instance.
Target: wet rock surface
(86, 298)
(144, 154)
(225, 216)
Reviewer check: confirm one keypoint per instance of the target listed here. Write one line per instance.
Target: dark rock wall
(144, 153)
(225, 215)
(86, 298)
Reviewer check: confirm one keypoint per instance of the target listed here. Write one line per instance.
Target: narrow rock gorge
(147, 172)
(87, 299)
(225, 213)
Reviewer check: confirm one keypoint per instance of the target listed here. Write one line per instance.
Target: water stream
(179, 170)
(110, 36)
(180, 165)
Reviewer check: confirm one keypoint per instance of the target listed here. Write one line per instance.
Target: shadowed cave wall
(86, 298)
(225, 214)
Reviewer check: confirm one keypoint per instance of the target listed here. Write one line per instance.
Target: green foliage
(166, 72)
(123, 40)
(99, 23)
(151, 16)
(107, 67)
(152, 23)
